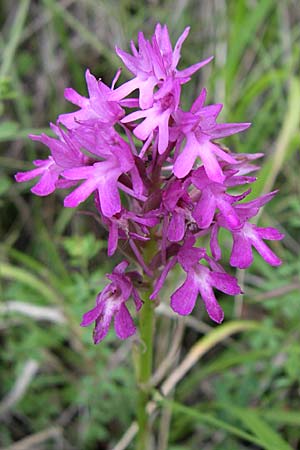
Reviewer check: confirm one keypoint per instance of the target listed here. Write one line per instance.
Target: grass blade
(255, 423)
(273, 165)
(209, 420)
(15, 36)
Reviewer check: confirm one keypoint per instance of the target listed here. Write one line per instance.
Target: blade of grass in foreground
(80, 29)
(210, 420)
(10, 272)
(270, 439)
(10, 131)
(273, 165)
(15, 35)
(224, 362)
(263, 435)
(244, 23)
(282, 416)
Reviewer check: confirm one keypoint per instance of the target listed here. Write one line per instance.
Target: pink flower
(152, 63)
(103, 177)
(47, 170)
(199, 128)
(252, 236)
(65, 154)
(171, 57)
(177, 183)
(98, 106)
(111, 303)
(166, 101)
(247, 236)
(200, 279)
(213, 195)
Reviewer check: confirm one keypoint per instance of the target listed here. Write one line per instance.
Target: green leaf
(290, 127)
(255, 423)
(14, 38)
(8, 129)
(219, 365)
(83, 32)
(14, 273)
(281, 416)
(243, 28)
(210, 420)
(5, 184)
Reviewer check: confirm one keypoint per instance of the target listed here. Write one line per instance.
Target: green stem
(144, 370)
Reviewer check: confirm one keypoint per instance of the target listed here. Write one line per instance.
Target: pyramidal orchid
(178, 184)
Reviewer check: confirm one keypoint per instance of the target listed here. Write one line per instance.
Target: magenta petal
(78, 173)
(176, 227)
(146, 92)
(192, 69)
(49, 173)
(216, 149)
(26, 176)
(134, 116)
(92, 84)
(184, 298)
(122, 282)
(211, 165)
(71, 120)
(72, 96)
(128, 60)
(109, 198)
(47, 183)
(80, 194)
(101, 327)
(265, 252)
(213, 308)
(214, 244)
(269, 233)
(185, 161)
(199, 102)
(227, 129)
(241, 254)
(124, 325)
(112, 239)
(188, 255)
(205, 209)
(163, 39)
(178, 45)
(163, 136)
(90, 316)
(225, 283)
(137, 299)
(123, 90)
(121, 267)
(161, 279)
(229, 213)
(209, 115)
(260, 201)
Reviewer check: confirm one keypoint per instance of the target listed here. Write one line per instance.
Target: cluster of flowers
(174, 176)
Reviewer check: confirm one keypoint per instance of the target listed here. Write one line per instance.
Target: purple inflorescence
(178, 182)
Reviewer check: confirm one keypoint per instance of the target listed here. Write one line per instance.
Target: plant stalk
(144, 358)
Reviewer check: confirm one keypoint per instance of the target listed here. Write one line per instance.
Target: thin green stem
(144, 370)
(144, 355)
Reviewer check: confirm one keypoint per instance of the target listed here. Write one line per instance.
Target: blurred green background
(58, 390)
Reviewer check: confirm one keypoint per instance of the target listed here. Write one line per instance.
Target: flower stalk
(144, 370)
